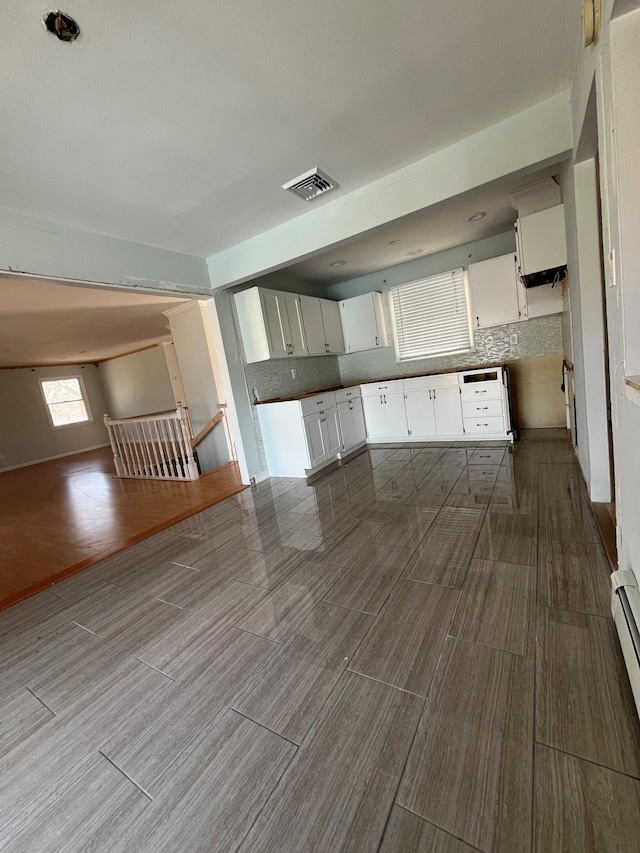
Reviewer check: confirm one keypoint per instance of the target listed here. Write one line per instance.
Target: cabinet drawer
(373, 388)
(317, 404)
(481, 425)
(482, 408)
(482, 391)
(424, 383)
(348, 394)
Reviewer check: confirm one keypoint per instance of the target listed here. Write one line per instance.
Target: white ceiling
(434, 229)
(175, 124)
(43, 322)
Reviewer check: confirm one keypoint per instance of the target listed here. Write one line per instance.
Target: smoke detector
(313, 183)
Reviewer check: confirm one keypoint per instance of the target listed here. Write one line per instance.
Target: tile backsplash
(541, 336)
(268, 379)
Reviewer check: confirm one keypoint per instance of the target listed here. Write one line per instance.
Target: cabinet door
(359, 428)
(359, 323)
(312, 317)
(448, 411)
(395, 415)
(494, 291)
(291, 304)
(333, 441)
(374, 416)
(345, 416)
(332, 325)
(421, 419)
(276, 325)
(315, 431)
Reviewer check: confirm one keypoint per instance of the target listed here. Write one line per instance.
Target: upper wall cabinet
(497, 294)
(270, 324)
(322, 327)
(363, 323)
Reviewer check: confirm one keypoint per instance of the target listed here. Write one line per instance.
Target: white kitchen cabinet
(314, 432)
(385, 415)
(275, 326)
(300, 436)
(363, 322)
(544, 300)
(322, 327)
(313, 326)
(421, 418)
(352, 426)
(297, 344)
(270, 324)
(497, 293)
(448, 411)
(332, 326)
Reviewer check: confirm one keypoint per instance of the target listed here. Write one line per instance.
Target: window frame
(441, 353)
(83, 391)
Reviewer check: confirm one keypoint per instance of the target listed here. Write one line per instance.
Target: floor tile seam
(437, 826)
(413, 739)
(487, 646)
(286, 768)
(386, 684)
(587, 760)
(126, 775)
(571, 610)
(253, 633)
(262, 725)
(41, 701)
(154, 668)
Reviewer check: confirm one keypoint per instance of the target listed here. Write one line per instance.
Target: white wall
(26, 434)
(192, 337)
(137, 384)
(612, 66)
(55, 251)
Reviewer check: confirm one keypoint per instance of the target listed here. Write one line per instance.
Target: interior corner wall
(612, 64)
(137, 384)
(198, 378)
(26, 435)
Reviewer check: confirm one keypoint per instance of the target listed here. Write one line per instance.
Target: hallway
(59, 516)
(414, 653)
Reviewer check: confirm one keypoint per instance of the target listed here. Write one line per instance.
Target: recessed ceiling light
(393, 242)
(338, 263)
(475, 217)
(415, 252)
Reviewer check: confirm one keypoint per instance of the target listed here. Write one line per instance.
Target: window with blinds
(432, 317)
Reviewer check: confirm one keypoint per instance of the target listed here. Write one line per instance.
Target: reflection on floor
(63, 515)
(412, 654)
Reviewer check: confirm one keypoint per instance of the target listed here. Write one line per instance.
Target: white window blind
(431, 316)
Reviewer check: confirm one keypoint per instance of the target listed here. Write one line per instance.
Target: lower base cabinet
(302, 436)
(352, 426)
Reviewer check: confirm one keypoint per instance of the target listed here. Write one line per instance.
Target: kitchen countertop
(306, 394)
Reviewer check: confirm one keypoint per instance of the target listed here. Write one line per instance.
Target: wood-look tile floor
(413, 653)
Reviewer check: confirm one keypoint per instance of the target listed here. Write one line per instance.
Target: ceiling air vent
(310, 185)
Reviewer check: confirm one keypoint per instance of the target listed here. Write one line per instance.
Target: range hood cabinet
(541, 247)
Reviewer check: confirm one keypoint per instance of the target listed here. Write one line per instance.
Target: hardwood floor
(61, 516)
(347, 665)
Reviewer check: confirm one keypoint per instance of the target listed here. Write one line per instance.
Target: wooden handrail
(207, 429)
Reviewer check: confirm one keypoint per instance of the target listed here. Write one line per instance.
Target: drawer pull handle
(482, 424)
(483, 408)
(484, 391)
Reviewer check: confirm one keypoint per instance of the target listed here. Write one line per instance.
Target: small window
(66, 401)
(431, 316)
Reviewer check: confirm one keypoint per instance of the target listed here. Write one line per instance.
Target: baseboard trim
(52, 458)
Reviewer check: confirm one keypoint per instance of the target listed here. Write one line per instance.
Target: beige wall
(25, 432)
(537, 398)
